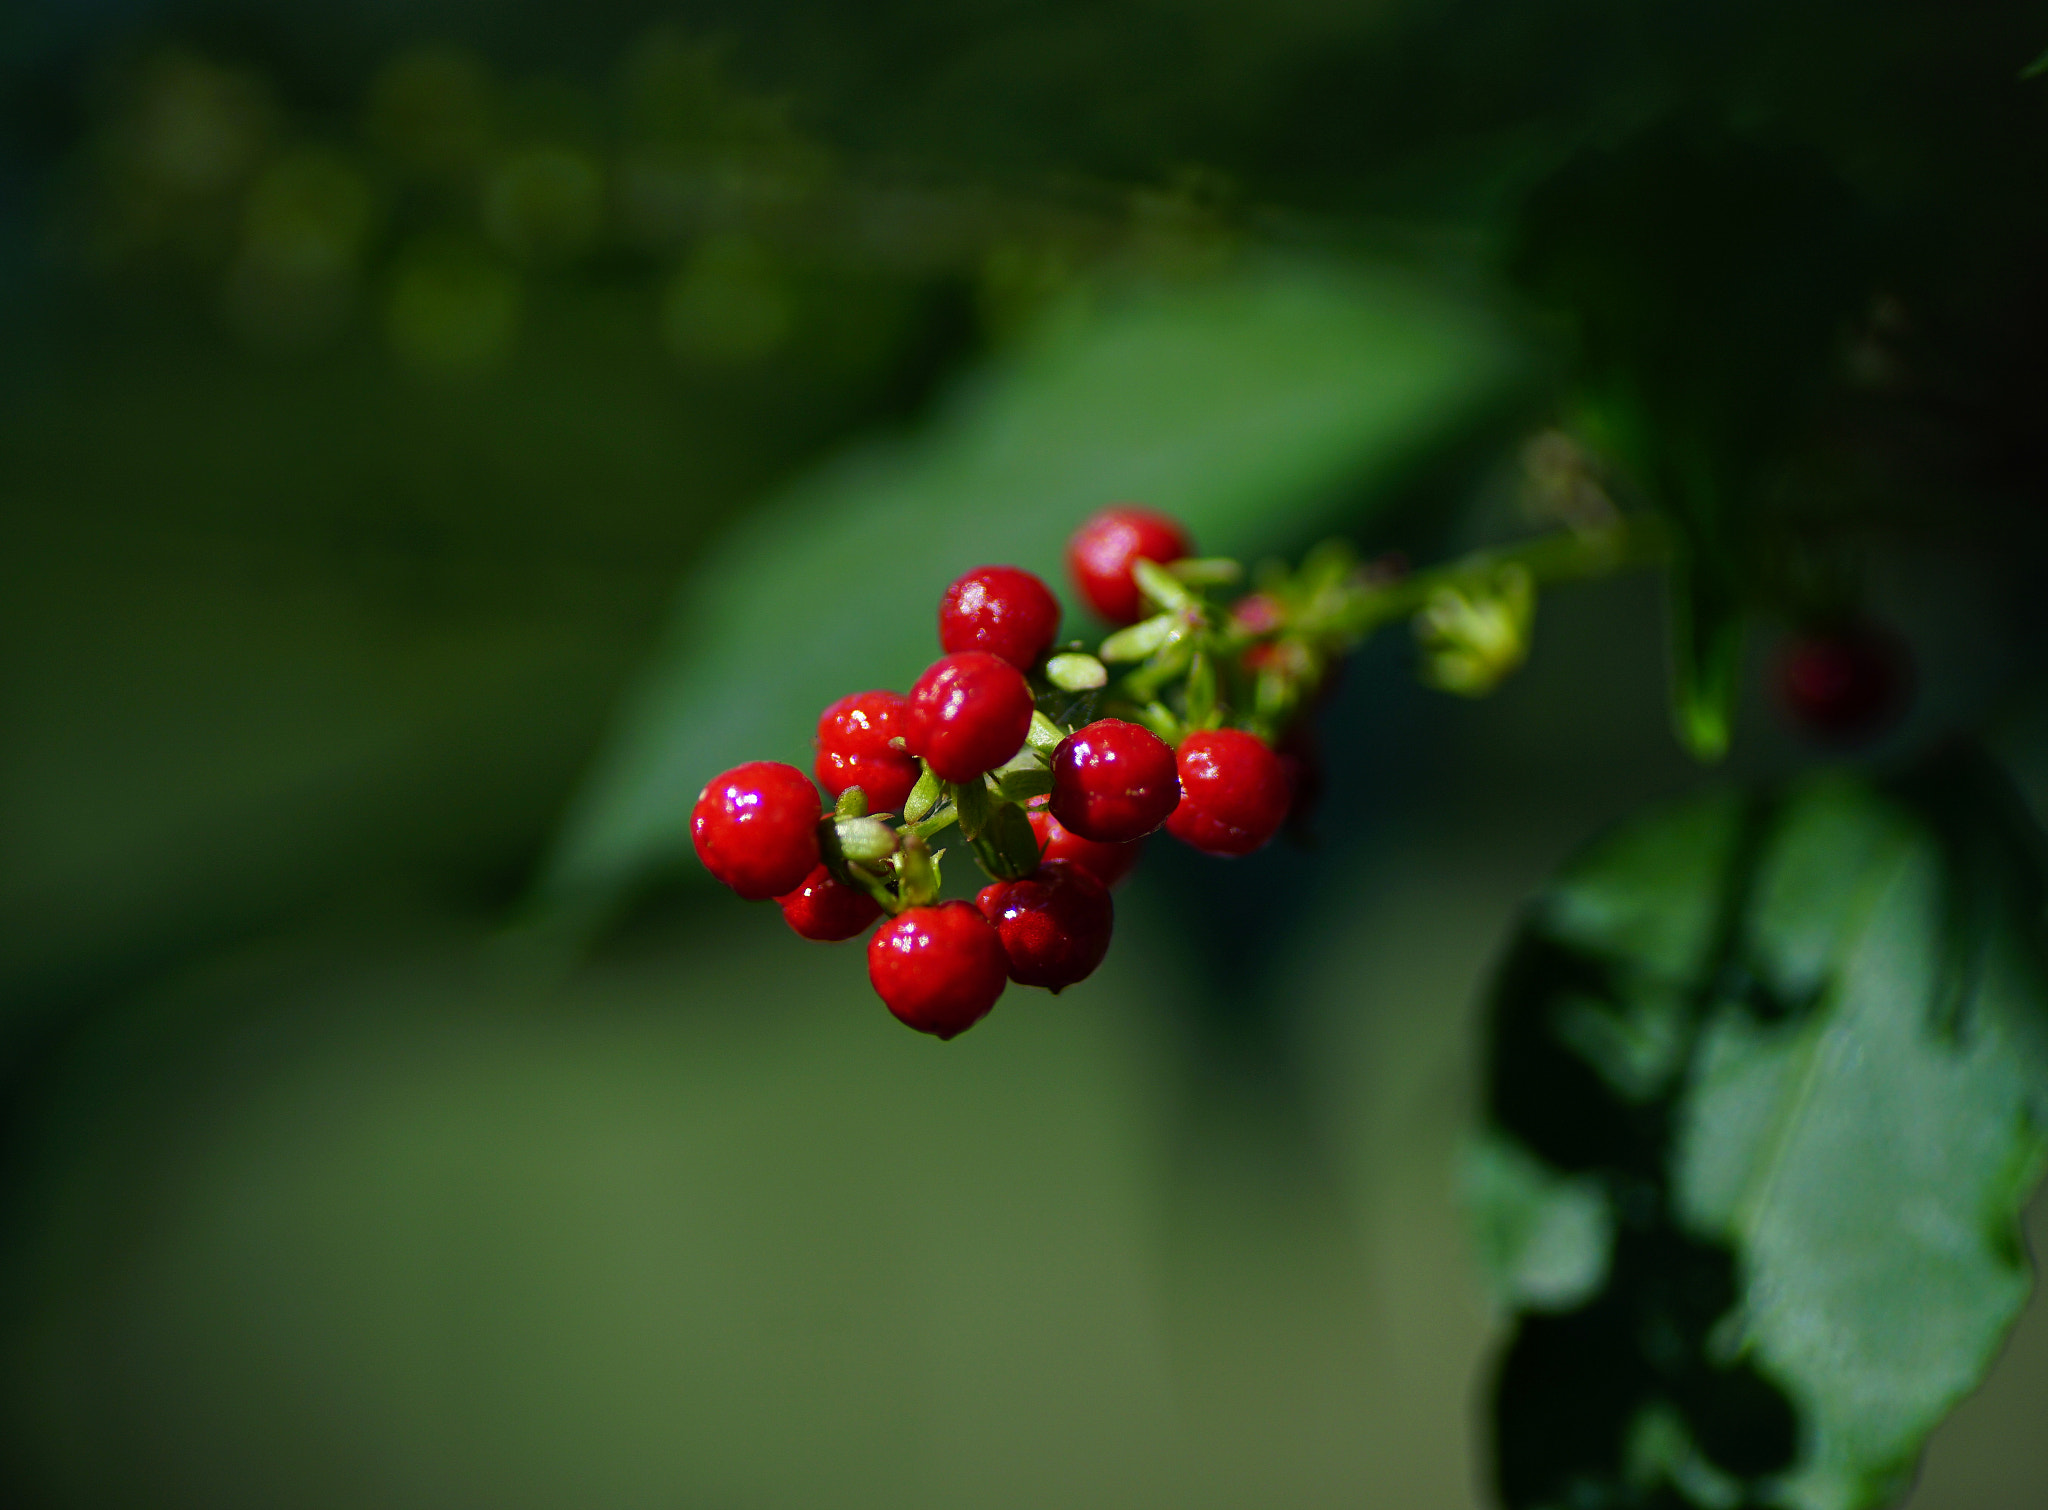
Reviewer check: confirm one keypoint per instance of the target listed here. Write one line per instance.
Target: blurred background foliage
(373, 375)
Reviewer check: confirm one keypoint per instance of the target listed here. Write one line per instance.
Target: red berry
(1113, 781)
(854, 749)
(756, 828)
(1236, 794)
(826, 911)
(968, 714)
(939, 969)
(1101, 552)
(1844, 684)
(1108, 863)
(1003, 610)
(1054, 924)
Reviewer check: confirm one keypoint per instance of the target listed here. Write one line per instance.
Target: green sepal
(1074, 672)
(852, 803)
(1024, 783)
(1161, 720)
(1162, 587)
(1044, 735)
(923, 797)
(917, 873)
(1202, 692)
(872, 880)
(1142, 639)
(1008, 849)
(972, 801)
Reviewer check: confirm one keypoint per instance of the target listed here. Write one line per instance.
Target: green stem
(1566, 556)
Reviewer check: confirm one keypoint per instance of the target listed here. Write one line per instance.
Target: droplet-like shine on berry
(756, 828)
(1234, 793)
(1002, 610)
(855, 748)
(1101, 553)
(939, 969)
(1055, 924)
(1113, 781)
(968, 714)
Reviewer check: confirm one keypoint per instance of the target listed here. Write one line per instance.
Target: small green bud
(864, 838)
(1160, 585)
(923, 797)
(1142, 639)
(1076, 673)
(917, 874)
(852, 803)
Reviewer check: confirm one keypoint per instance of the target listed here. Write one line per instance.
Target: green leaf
(1767, 1092)
(1012, 846)
(1252, 406)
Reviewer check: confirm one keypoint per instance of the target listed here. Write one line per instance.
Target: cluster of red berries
(1002, 737)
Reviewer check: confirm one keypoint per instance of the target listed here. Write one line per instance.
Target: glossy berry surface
(823, 910)
(1054, 924)
(968, 714)
(1002, 610)
(1108, 863)
(756, 828)
(1101, 552)
(854, 749)
(1234, 793)
(1113, 781)
(1845, 684)
(939, 969)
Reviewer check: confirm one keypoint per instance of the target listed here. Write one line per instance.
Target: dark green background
(328, 1181)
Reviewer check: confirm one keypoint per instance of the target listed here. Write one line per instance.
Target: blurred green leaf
(1800, 1048)
(1252, 406)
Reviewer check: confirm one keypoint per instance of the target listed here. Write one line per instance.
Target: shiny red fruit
(1101, 552)
(756, 828)
(1234, 793)
(939, 969)
(854, 749)
(1054, 924)
(1113, 781)
(1108, 863)
(1844, 684)
(824, 910)
(1002, 610)
(968, 714)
